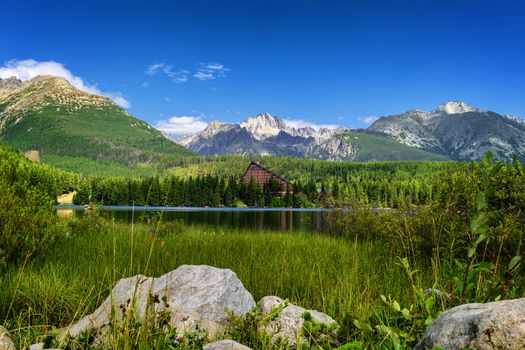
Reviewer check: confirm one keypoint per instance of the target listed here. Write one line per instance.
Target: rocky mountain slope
(265, 134)
(50, 116)
(456, 130)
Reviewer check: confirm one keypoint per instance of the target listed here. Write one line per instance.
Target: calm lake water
(281, 219)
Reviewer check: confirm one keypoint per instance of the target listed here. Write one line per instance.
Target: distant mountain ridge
(457, 130)
(454, 130)
(265, 134)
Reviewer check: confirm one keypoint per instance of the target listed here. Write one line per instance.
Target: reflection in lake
(253, 219)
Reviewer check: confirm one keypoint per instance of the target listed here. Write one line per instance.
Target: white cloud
(299, 123)
(178, 76)
(28, 69)
(205, 71)
(181, 125)
(368, 119)
(118, 98)
(210, 71)
(154, 68)
(203, 76)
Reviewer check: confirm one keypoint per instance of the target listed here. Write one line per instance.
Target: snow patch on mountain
(262, 127)
(456, 107)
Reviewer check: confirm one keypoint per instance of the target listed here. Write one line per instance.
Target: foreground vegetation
(340, 277)
(370, 271)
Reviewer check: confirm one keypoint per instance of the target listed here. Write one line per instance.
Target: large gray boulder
(495, 325)
(288, 325)
(225, 345)
(191, 295)
(5, 340)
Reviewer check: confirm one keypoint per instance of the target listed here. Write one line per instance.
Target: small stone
(225, 345)
(288, 325)
(5, 340)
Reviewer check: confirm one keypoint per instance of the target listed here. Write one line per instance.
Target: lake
(280, 219)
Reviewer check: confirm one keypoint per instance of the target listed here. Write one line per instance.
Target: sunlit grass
(333, 275)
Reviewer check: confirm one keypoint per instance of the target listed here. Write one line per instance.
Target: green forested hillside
(372, 147)
(50, 116)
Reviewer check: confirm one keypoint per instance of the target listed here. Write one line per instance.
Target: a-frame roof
(264, 169)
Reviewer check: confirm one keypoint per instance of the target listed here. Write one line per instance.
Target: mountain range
(49, 116)
(265, 134)
(457, 130)
(453, 130)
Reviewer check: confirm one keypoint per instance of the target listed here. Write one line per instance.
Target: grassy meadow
(339, 277)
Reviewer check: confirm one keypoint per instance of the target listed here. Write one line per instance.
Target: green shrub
(28, 223)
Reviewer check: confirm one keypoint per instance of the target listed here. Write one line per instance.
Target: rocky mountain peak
(458, 130)
(46, 91)
(515, 118)
(10, 82)
(214, 124)
(264, 125)
(456, 107)
(265, 119)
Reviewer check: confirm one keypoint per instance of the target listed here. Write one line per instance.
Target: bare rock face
(288, 326)
(458, 130)
(192, 295)
(5, 340)
(495, 325)
(225, 345)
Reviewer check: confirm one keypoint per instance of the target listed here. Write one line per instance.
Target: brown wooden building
(262, 175)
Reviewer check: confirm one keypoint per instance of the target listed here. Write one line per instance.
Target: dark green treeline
(230, 191)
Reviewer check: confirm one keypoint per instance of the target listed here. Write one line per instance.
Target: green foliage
(474, 270)
(17, 171)
(27, 192)
(319, 335)
(400, 327)
(27, 223)
(483, 242)
(247, 329)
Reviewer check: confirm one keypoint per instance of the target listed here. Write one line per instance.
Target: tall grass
(339, 277)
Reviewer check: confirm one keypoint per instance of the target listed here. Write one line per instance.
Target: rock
(5, 340)
(495, 325)
(40, 346)
(191, 295)
(288, 326)
(438, 293)
(225, 345)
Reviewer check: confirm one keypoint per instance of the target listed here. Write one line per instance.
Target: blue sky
(323, 62)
